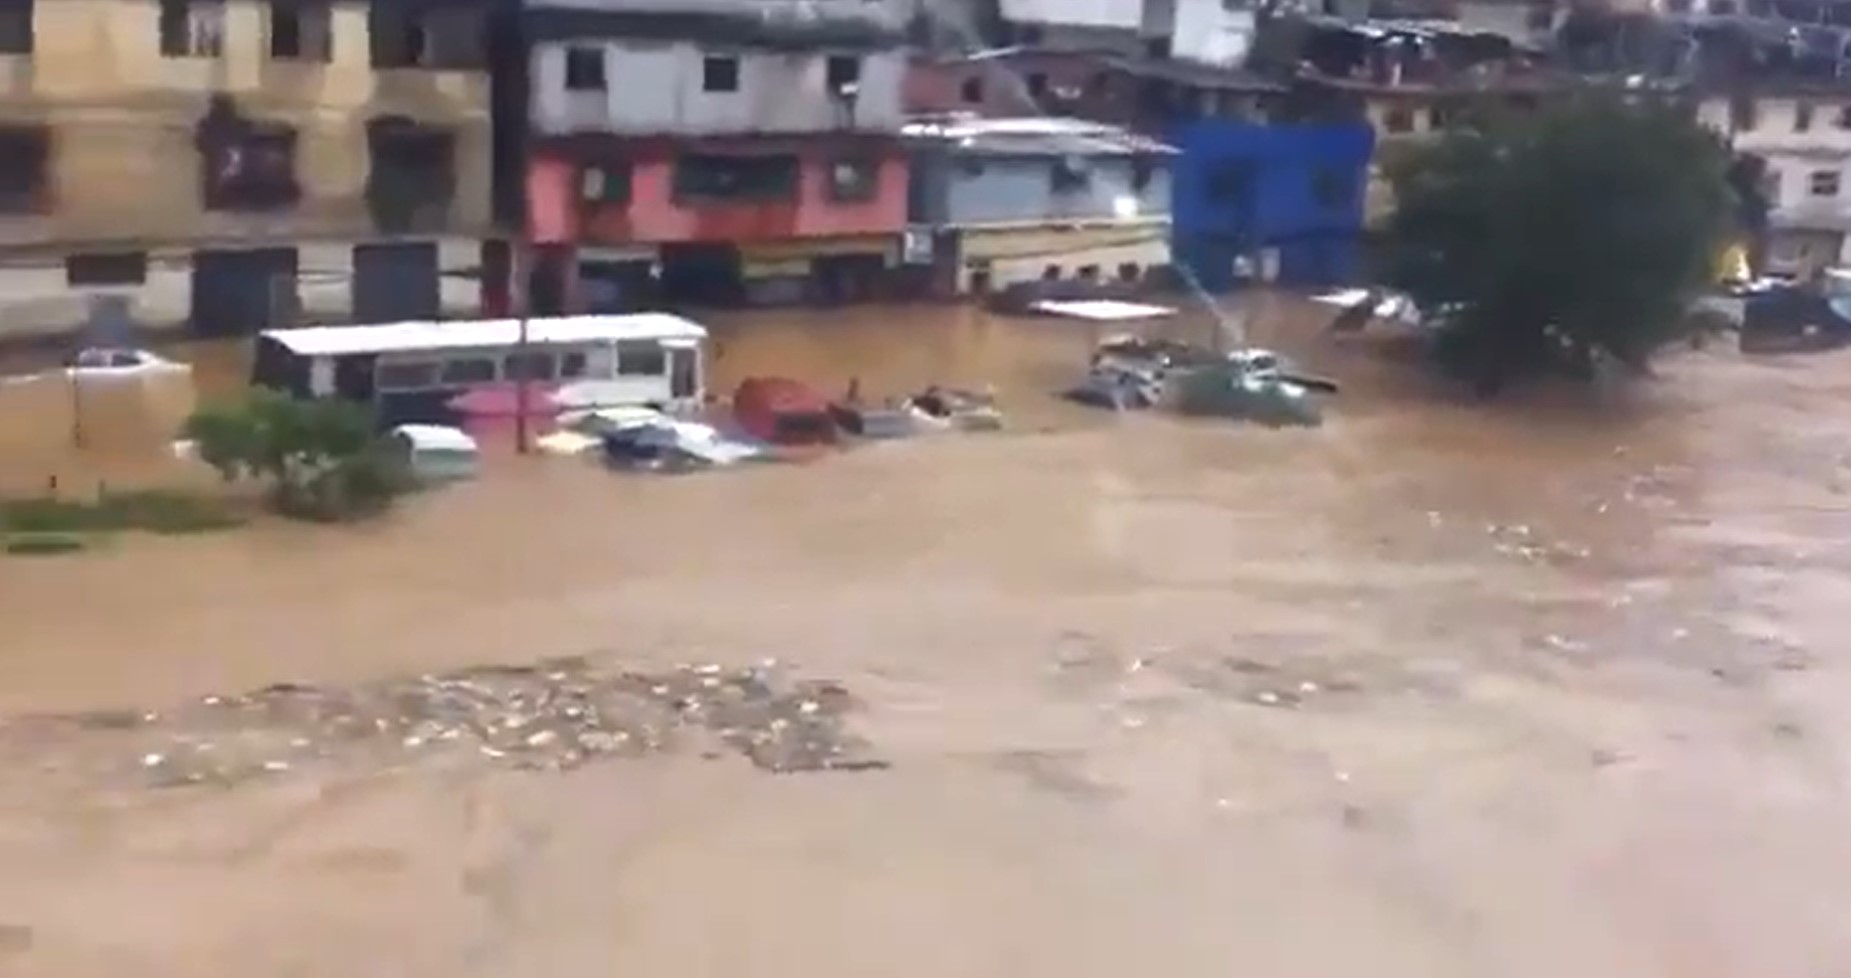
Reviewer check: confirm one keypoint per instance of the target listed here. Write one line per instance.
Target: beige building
(1805, 137)
(228, 164)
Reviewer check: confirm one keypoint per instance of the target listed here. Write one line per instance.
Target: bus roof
(457, 334)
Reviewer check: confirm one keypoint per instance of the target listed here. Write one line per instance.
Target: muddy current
(1542, 688)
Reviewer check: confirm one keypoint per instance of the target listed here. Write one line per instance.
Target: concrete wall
(1021, 189)
(656, 88)
(1210, 32)
(124, 165)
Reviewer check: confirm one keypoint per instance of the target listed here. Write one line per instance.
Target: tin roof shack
(1286, 199)
(1053, 203)
(719, 150)
(1136, 91)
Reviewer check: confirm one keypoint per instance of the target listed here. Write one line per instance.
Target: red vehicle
(782, 411)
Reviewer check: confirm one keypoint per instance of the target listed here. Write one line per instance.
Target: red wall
(653, 216)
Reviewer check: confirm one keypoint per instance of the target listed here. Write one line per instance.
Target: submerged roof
(408, 337)
(1035, 135)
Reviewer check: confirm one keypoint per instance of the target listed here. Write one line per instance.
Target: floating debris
(554, 716)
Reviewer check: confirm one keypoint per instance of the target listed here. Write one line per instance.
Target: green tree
(1556, 238)
(320, 457)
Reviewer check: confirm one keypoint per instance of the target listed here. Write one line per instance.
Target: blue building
(1290, 197)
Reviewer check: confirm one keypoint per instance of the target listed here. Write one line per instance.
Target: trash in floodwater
(556, 715)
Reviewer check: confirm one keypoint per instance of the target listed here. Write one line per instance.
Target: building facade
(1803, 135)
(1010, 201)
(718, 151)
(1285, 201)
(227, 165)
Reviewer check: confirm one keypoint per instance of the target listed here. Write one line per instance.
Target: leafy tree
(320, 457)
(1555, 238)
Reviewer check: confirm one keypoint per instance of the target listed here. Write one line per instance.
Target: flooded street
(1436, 690)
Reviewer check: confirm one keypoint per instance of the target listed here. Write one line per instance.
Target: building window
(1142, 170)
(411, 177)
(1802, 116)
(118, 268)
(1844, 117)
(1050, 273)
(641, 358)
(585, 69)
(971, 91)
(192, 28)
(1398, 120)
(606, 182)
(1037, 84)
(1069, 174)
(254, 169)
(1742, 114)
(1823, 183)
(1157, 47)
(411, 36)
(16, 26)
(842, 73)
(1089, 273)
(720, 74)
(1331, 187)
(301, 30)
(853, 179)
(1128, 272)
(25, 155)
(736, 178)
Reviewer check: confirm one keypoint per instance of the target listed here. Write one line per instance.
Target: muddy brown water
(1538, 689)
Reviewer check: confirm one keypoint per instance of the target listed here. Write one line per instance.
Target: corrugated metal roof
(1035, 135)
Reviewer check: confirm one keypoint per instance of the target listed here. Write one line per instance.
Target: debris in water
(553, 716)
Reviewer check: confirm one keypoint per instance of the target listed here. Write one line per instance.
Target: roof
(436, 438)
(1192, 73)
(769, 23)
(408, 337)
(1032, 136)
(1104, 310)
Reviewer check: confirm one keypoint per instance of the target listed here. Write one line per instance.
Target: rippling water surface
(1440, 689)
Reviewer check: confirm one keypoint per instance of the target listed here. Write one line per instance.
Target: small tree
(320, 457)
(1575, 232)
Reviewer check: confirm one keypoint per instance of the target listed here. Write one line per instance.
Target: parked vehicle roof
(422, 335)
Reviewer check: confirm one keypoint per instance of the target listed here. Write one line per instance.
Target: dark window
(1331, 187)
(404, 376)
(1142, 169)
(1823, 183)
(471, 370)
(411, 36)
(251, 170)
(1844, 117)
(1230, 182)
(1050, 273)
(1037, 84)
(1802, 116)
(1128, 272)
(738, 178)
(528, 366)
(1398, 120)
(1157, 47)
(1089, 273)
(720, 74)
(301, 30)
(192, 28)
(842, 72)
(25, 155)
(971, 91)
(411, 178)
(585, 69)
(120, 268)
(1742, 113)
(1069, 174)
(641, 358)
(572, 365)
(16, 26)
(854, 179)
(605, 182)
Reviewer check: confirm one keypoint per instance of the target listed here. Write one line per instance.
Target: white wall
(657, 88)
(1795, 155)
(1210, 32)
(1126, 14)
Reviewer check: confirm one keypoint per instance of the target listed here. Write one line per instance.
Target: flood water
(1439, 689)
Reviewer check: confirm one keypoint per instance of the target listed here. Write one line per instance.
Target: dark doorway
(238, 293)
(702, 274)
(396, 282)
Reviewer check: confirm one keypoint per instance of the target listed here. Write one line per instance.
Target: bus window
(528, 366)
(405, 376)
(641, 359)
(572, 365)
(468, 370)
(681, 381)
